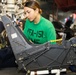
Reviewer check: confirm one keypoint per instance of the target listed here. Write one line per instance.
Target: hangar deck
(14, 71)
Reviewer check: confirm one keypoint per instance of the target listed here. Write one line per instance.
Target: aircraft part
(39, 57)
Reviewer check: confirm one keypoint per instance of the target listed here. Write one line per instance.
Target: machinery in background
(10, 7)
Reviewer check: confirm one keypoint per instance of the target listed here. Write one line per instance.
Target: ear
(37, 10)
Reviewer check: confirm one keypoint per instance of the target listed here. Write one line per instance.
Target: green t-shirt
(40, 33)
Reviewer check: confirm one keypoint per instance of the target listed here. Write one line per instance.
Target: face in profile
(30, 13)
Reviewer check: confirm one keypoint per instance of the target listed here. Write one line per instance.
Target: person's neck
(37, 19)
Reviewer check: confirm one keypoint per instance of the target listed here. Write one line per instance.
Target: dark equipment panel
(39, 57)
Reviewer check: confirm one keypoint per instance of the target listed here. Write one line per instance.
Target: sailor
(37, 28)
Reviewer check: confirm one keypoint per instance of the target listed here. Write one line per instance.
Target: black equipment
(39, 57)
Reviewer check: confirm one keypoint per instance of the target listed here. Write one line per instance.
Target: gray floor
(10, 71)
(14, 71)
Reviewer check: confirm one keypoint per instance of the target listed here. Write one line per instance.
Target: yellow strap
(51, 40)
(56, 40)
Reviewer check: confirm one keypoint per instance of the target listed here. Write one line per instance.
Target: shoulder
(46, 22)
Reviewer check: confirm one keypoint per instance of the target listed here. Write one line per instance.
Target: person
(73, 27)
(69, 32)
(37, 28)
